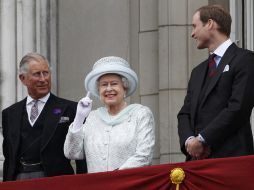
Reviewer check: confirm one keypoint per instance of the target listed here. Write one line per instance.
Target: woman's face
(111, 90)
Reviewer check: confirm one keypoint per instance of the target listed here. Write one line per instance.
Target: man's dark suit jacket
(224, 109)
(57, 111)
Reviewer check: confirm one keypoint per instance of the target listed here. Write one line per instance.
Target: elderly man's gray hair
(23, 65)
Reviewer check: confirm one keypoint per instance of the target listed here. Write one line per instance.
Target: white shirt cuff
(201, 139)
(187, 140)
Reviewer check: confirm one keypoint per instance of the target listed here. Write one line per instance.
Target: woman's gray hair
(124, 80)
(23, 65)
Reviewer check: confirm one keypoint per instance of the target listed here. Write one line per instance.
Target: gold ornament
(177, 176)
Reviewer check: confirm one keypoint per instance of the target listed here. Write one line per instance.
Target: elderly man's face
(37, 79)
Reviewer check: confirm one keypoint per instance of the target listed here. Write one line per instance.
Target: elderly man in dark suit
(34, 129)
(215, 118)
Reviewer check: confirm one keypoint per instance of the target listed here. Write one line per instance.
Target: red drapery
(212, 174)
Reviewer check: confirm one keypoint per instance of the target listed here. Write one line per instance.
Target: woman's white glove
(83, 109)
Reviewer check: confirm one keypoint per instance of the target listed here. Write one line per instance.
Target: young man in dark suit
(215, 118)
(34, 129)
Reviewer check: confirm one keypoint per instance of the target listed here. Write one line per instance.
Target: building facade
(153, 35)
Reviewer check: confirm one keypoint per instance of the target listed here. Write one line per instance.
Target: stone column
(235, 8)
(36, 32)
(148, 62)
(47, 34)
(26, 33)
(8, 54)
(250, 24)
(7, 59)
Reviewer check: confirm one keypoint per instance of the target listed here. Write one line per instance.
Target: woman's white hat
(114, 65)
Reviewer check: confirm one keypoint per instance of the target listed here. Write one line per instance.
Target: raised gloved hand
(83, 109)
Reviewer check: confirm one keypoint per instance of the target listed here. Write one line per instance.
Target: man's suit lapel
(53, 111)
(15, 124)
(225, 60)
(198, 81)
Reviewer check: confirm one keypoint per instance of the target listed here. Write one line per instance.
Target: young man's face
(200, 32)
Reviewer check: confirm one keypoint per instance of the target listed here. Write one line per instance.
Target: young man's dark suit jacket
(225, 107)
(53, 137)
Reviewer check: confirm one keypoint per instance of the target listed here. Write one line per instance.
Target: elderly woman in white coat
(118, 135)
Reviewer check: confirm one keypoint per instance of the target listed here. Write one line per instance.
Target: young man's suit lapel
(225, 60)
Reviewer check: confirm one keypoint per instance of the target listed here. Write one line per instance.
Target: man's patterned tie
(34, 111)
